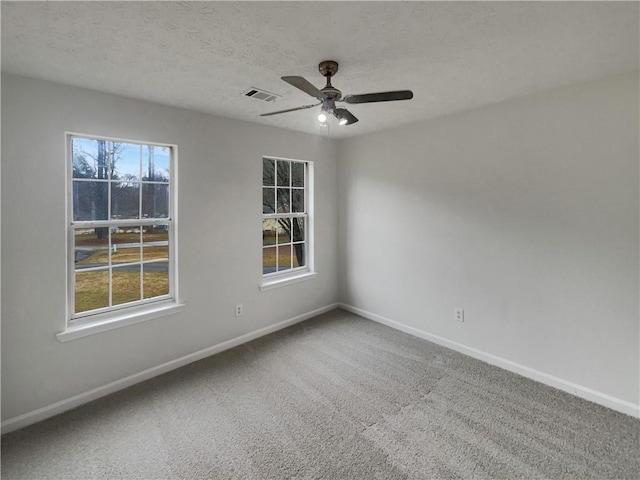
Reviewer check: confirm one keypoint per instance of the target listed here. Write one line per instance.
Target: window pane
(125, 253)
(125, 234)
(155, 200)
(268, 200)
(297, 174)
(155, 234)
(125, 284)
(268, 172)
(156, 279)
(126, 161)
(298, 229)
(155, 253)
(298, 255)
(125, 200)
(156, 242)
(269, 228)
(283, 173)
(297, 200)
(125, 244)
(90, 158)
(283, 229)
(269, 260)
(284, 257)
(283, 200)
(91, 290)
(90, 201)
(155, 163)
(91, 247)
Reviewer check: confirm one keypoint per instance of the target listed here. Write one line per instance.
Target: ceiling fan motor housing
(328, 68)
(330, 94)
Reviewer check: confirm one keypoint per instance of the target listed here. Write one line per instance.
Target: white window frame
(108, 318)
(306, 272)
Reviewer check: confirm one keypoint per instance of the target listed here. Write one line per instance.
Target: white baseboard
(564, 385)
(72, 402)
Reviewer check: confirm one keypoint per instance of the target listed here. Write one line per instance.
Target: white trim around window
(287, 222)
(121, 233)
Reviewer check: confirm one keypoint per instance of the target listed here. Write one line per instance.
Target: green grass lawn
(284, 257)
(92, 288)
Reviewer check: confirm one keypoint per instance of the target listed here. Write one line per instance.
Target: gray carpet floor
(336, 397)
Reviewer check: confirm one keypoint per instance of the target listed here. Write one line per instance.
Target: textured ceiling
(204, 55)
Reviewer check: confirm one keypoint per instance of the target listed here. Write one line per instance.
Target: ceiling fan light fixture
(344, 116)
(322, 118)
(342, 119)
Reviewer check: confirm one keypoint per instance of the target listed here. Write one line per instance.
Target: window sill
(270, 284)
(111, 321)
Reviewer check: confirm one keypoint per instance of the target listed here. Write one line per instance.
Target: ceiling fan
(329, 95)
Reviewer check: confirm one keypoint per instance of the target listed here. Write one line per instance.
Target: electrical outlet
(458, 314)
(239, 310)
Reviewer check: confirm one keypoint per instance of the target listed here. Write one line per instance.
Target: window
(286, 219)
(121, 228)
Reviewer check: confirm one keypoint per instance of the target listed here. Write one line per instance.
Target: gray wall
(220, 171)
(524, 213)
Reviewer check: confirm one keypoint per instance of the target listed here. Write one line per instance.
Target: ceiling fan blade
(342, 113)
(304, 85)
(290, 110)
(379, 97)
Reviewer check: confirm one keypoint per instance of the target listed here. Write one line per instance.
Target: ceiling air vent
(259, 94)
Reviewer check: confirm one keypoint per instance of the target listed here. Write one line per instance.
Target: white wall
(220, 170)
(524, 213)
